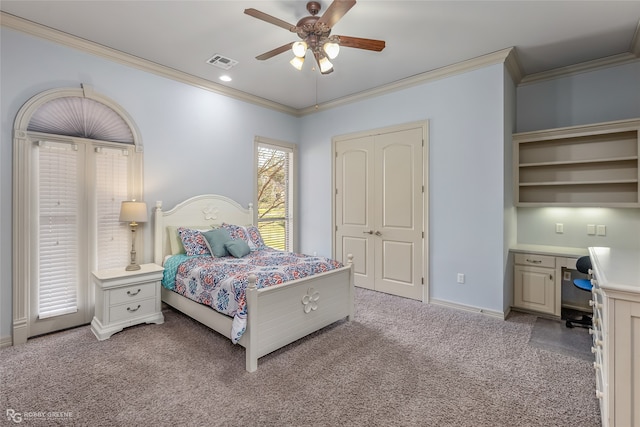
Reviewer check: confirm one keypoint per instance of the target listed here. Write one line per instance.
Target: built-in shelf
(592, 165)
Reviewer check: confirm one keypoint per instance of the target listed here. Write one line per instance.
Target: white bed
(276, 315)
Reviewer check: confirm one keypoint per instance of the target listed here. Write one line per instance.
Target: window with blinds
(59, 231)
(112, 188)
(76, 183)
(275, 194)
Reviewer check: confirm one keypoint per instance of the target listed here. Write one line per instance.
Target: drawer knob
(132, 294)
(592, 303)
(131, 310)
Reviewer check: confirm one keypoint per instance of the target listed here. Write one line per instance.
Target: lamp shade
(299, 49)
(331, 49)
(133, 211)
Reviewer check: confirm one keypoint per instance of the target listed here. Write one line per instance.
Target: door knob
(368, 232)
(378, 233)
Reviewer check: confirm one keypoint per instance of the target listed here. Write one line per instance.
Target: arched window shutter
(80, 117)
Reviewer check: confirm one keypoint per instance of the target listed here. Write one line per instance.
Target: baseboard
(6, 342)
(491, 313)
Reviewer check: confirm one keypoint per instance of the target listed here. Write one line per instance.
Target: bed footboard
(282, 314)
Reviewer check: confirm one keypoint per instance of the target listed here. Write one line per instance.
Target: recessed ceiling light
(225, 78)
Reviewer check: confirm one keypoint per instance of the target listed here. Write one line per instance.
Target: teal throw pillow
(238, 248)
(216, 240)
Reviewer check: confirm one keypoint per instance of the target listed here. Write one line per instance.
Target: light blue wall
(195, 141)
(597, 96)
(466, 177)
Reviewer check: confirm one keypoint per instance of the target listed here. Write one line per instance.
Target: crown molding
(47, 33)
(583, 67)
(437, 74)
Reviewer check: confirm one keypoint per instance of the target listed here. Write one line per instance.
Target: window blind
(59, 231)
(274, 196)
(112, 178)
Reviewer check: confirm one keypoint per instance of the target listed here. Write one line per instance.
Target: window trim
(24, 196)
(293, 213)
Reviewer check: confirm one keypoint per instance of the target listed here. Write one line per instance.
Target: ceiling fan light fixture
(325, 65)
(297, 62)
(331, 49)
(299, 49)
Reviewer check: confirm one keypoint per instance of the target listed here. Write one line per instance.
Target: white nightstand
(126, 298)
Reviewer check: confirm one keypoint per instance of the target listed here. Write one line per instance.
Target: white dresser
(126, 298)
(616, 334)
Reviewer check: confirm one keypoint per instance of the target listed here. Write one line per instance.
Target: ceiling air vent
(222, 61)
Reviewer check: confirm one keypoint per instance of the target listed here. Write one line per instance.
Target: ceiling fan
(315, 34)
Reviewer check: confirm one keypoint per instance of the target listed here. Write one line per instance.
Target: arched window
(77, 156)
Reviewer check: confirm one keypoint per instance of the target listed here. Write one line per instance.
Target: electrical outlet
(566, 276)
(460, 277)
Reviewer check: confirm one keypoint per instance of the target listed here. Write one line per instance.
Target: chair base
(583, 322)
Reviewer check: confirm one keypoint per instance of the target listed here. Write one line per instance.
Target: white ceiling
(420, 36)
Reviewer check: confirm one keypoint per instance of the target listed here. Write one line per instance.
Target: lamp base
(132, 267)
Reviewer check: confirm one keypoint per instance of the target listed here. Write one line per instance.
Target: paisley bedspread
(221, 282)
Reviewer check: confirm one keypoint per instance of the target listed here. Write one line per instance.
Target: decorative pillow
(175, 242)
(249, 234)
(238, 248)
(193, 241)
(215, 240)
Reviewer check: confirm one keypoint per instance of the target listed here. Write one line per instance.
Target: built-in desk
(537, 281)
(616, 334)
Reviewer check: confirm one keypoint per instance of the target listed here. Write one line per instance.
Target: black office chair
(583, 265)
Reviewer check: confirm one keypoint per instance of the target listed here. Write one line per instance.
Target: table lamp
(133, 212)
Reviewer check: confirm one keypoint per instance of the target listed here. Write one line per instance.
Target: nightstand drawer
(535, 260)
(132, 310)
(132, 293)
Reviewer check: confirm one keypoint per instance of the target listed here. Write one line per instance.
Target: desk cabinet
(126, 298)
(616, 334)
(534, 285)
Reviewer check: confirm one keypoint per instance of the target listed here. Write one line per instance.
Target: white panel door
(355, 207)
(398, 218)
(379, 210)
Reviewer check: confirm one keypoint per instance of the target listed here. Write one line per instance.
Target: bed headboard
(206, 209)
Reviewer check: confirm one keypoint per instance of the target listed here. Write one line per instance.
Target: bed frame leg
(251, 349)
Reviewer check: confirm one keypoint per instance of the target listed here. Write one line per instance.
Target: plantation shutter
(59, 199)
(275, 196)
(112, 188)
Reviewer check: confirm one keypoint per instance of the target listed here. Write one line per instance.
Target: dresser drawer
(132, 293)
(535, 260)
(131, 310)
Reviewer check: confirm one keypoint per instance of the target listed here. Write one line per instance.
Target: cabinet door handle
(131, 310)
(132, 294)
(551, 277)
(534, 261)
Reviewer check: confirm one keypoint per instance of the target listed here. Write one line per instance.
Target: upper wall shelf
(591, 165)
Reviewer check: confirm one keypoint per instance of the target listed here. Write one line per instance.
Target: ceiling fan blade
(360, 43)
(336, 10)
(271, 19)
(274, 52)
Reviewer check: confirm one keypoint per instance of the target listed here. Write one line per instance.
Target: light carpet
(399, 363)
